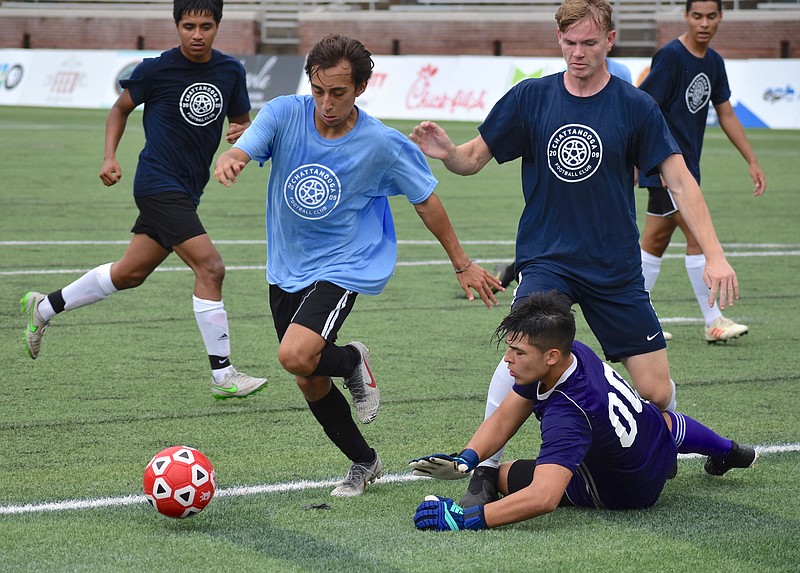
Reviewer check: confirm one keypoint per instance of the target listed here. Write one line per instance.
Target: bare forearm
(435, 218)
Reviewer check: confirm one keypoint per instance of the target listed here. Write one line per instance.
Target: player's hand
(235, 130)
(228, 167)
(721, 279)
(111, 172)
(482, 281)
(442, 466)
(759, 180)
(432, 140)
(443, 514)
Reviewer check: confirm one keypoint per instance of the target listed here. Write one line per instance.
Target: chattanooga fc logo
(698, 93)
(574, 153)
(312, 191)
(201, 104)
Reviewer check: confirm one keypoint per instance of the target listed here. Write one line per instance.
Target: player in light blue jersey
(602, 446)
(330, 234)
(685, 75)
(579, 134)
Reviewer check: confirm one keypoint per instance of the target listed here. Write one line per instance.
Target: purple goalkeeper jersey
(617, 445)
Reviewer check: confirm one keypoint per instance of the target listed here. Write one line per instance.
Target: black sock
(218, 362)
(57, 301)
(333, 414)
(337, 361)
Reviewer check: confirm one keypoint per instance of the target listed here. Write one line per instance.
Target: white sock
(92, 287)
(213, 323)
(651, 267)
(499, 388)
(695, 265)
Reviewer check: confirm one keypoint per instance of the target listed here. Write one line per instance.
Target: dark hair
(545, 318)
(690, 2)
(180, 8)
(333, 49)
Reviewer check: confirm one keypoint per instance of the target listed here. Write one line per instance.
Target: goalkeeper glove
(442, 466)
(443, 514)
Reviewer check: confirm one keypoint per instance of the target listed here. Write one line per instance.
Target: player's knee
(212, 271)
(123, 280)
(295, 361)
(662, 395)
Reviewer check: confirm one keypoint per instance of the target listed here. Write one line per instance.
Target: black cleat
(482, 488)
(739, 457)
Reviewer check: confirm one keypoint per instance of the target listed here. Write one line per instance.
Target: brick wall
(750, 34)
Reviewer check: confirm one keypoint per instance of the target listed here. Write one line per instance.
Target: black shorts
(168, 218)
(321, 307)
(660, 202)
(520, 476)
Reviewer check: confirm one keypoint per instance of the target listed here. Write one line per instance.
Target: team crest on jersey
(312, 191)
(698, 93)
(201, 103)
(574, 152)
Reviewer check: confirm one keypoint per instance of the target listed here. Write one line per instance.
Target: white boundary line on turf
(241, 491)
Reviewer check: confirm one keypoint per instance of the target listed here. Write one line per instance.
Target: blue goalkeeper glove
(442, 466)
(443, 514)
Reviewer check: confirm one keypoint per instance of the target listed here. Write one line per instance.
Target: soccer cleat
(724, 329)
(739, 457)
(358, 477)
(362, 386)
(505, 274)
(667, 335)
(482, 488)
(35, 325)
(236, 385)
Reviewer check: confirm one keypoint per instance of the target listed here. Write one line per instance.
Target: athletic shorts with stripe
(321, 307)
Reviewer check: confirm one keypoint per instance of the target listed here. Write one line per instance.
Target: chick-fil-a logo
(420, 95)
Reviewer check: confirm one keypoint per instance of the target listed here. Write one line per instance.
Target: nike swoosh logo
(649, 338)
(230, 390)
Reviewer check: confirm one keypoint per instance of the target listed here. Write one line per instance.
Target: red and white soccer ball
(179, 482)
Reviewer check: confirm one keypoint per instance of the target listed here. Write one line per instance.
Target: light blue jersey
(328, 216)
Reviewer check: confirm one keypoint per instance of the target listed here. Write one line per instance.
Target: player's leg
(692, 437)
(314, 359)
(659, 225)
(142, 256)
(628, 330)
(717, 327)
(308, 338)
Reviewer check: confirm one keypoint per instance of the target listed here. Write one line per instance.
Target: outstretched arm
(732, 127)
(465, 159)
(111, 172)
(719, 275)
(470, 275)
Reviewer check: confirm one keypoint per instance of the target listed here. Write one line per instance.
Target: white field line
(241, 491)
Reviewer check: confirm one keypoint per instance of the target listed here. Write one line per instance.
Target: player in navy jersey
(601, 445)
(187, 93)
(685, 75)
(330, 234)
(579, 134)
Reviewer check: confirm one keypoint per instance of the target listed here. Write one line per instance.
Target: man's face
(526, 363)
(197, 33)
(703, 19)
(584, 46)
(334, 95)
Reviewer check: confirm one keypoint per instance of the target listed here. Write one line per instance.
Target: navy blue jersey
(683, 84)
(618, 446)
(578, 156)
(185, 107)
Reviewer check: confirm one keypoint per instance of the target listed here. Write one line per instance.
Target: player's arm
(465, 159)
(732, 127)
(719, 275)
(236, 127)
(111, 172)
(229, 165)
(542, 496)
(470, 275)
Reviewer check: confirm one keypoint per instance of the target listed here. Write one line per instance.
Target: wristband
(471, 457)
(474, 518)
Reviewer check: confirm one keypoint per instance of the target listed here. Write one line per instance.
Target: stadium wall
(744, 34)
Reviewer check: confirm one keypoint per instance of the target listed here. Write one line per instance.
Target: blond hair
(572, 11)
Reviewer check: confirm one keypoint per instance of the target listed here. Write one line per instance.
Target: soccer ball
(179, 482)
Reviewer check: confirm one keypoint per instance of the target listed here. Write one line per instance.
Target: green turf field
(120, 380)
